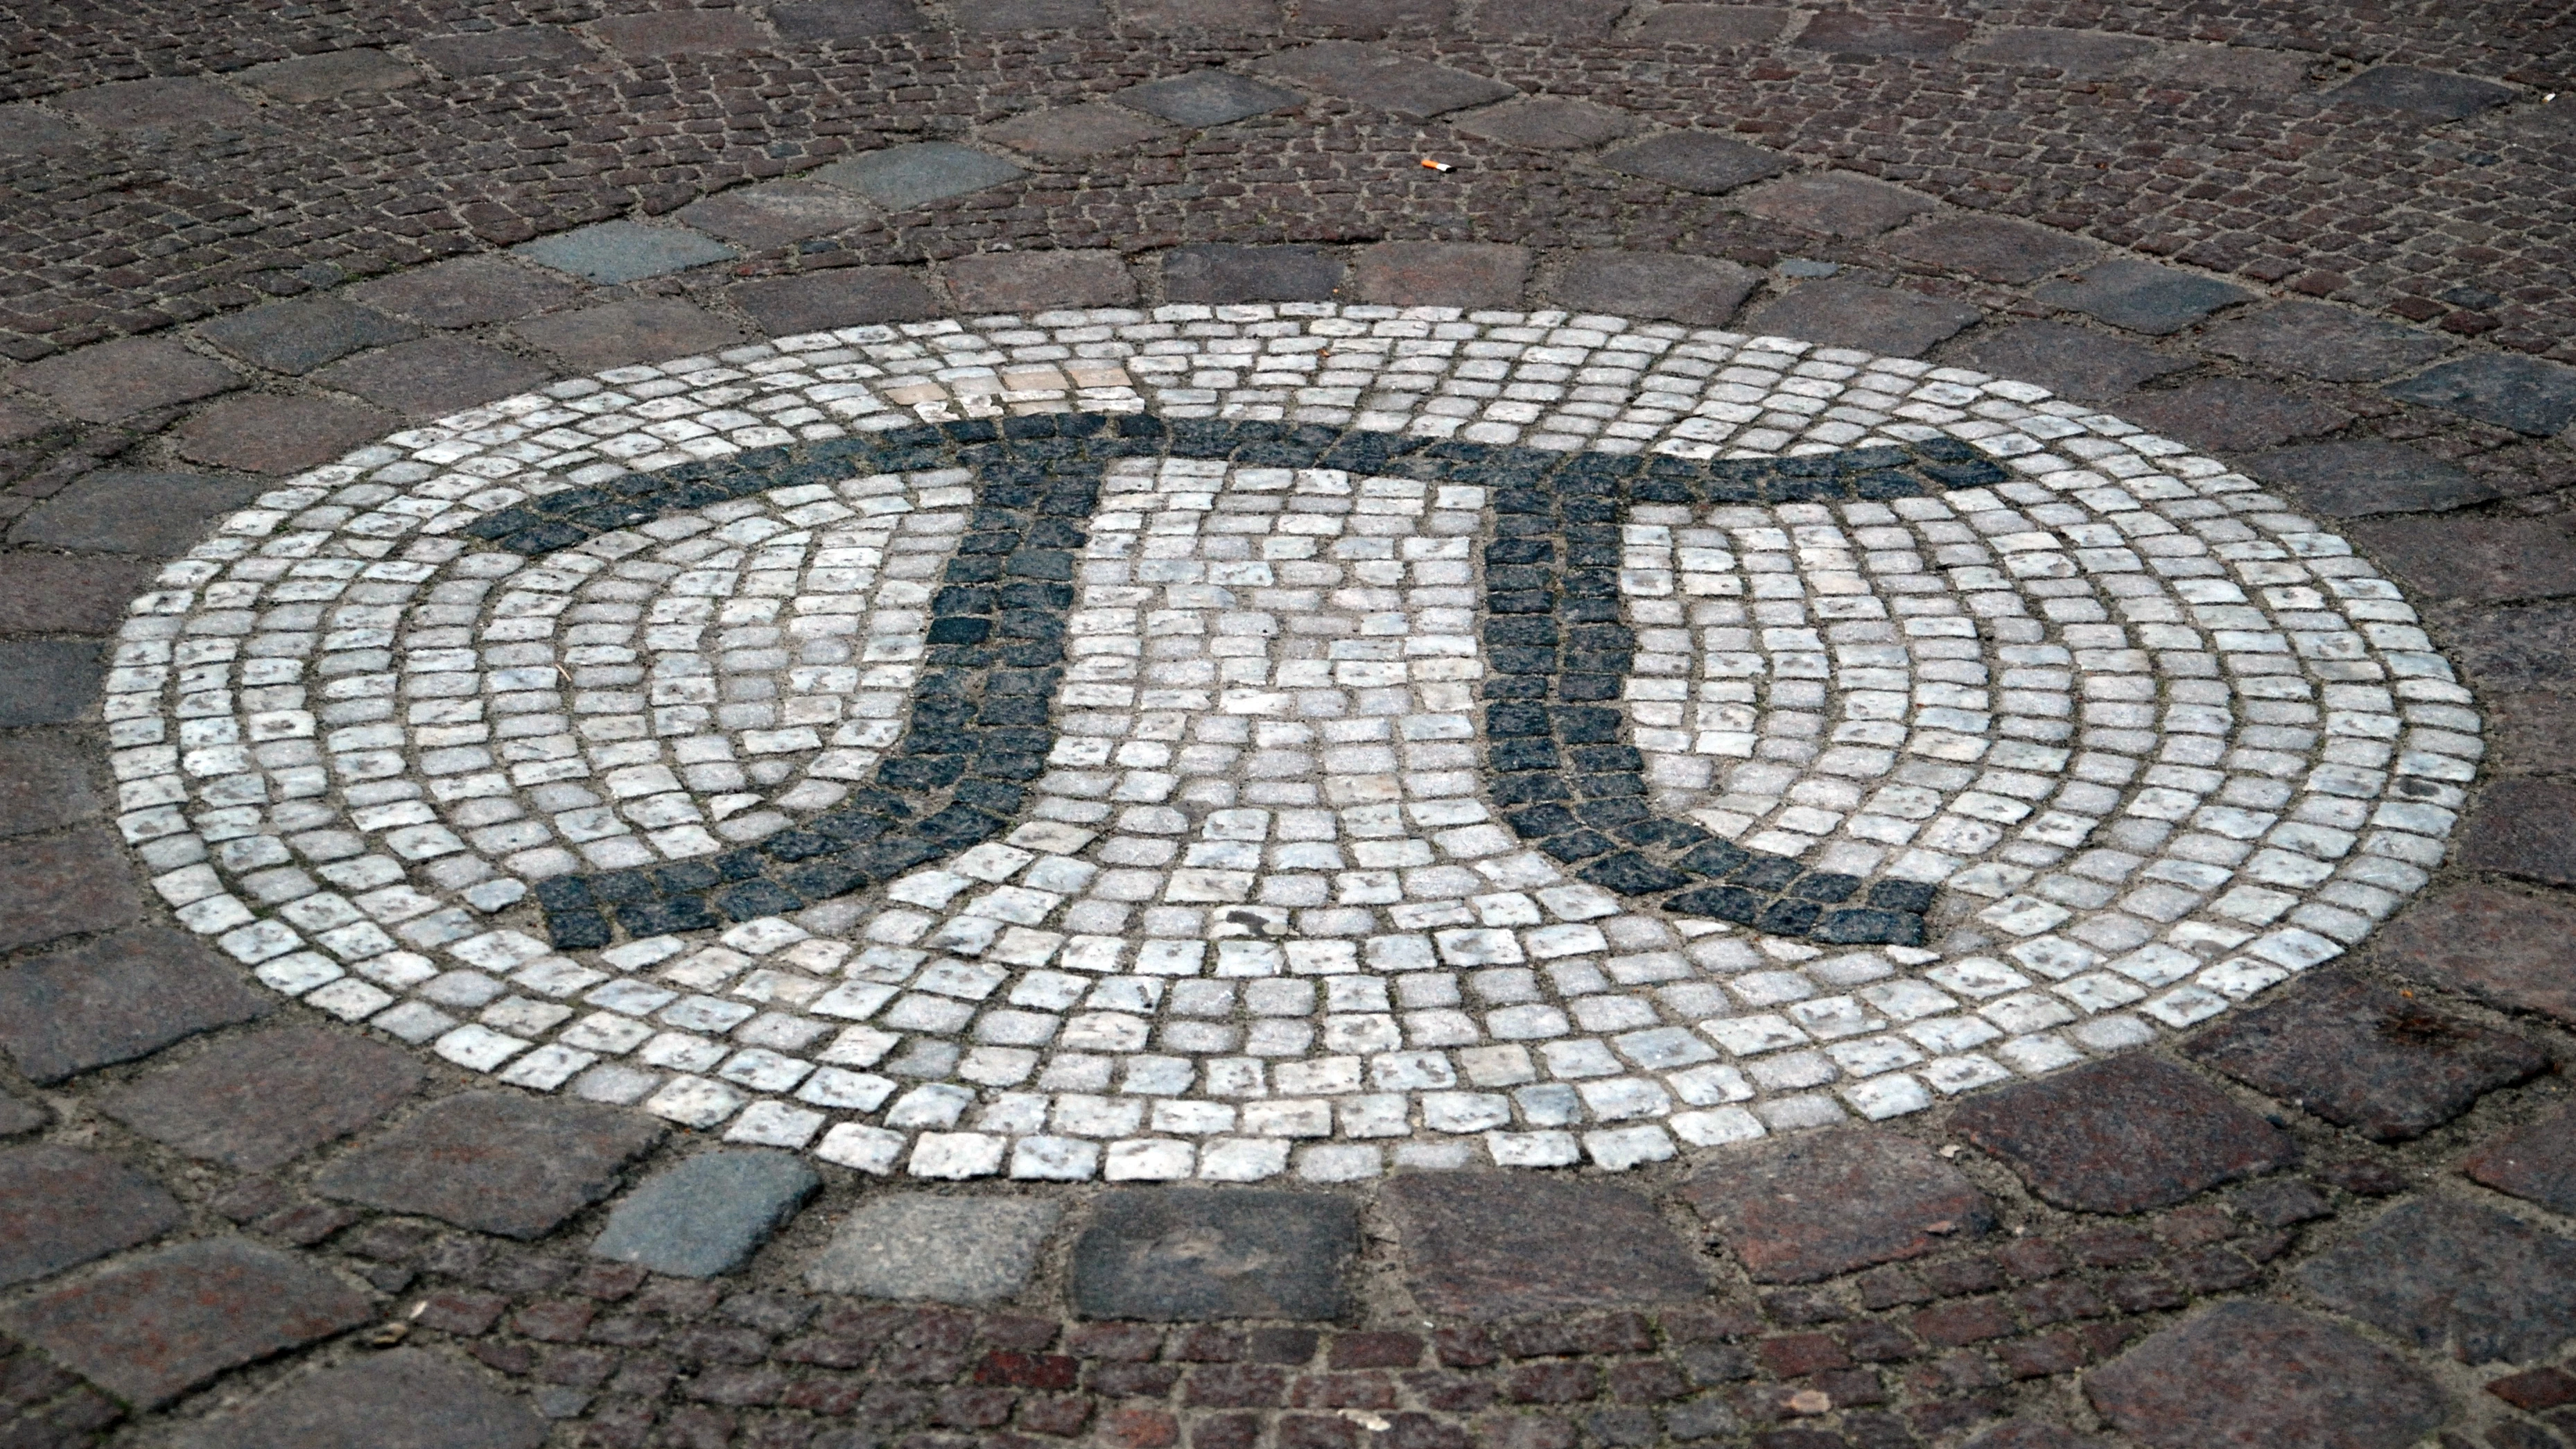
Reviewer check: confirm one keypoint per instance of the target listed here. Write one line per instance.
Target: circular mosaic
(1225, 742)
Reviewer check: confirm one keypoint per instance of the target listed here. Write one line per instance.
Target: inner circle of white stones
(2160, 742)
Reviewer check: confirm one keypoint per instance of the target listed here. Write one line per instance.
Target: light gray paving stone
(946, 1249)
(706, 1214)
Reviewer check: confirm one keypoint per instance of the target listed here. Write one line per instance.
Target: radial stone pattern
(1227, 742)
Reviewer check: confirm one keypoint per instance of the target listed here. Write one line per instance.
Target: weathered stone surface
(2509, 949)
(158, 1325)
(2442, 1274)
(1370, 19)
(2438, 95)
(2521, 393)
(1440, 274)
(2371, 475)
(1890, 320)
(2071, 361)
(119, 379)
(255, 1102)
(52, 593)
(116, 999)
(827, 20)
(1850, 32)
(27, 131)
(259, 432)
(2031, 1434)
(467, 292)
(1701, 291)
(1184, 1255)
(47, 681)
(2122, 1136)
(19, 1116)
(2229, 68)
(332, 73)
(1222, 273)
(1011, 15)
(44, 778)
(1202, 17)
(60, 1208)
(2259, 1376)
(433, 376)
(2536, 1164)
(405, 1399)
(2525, 828)
(303, 334)
(841, 297)
(1495, 1245)
(1384, 79)
(2141, 296)
(498, 1162)
(152, 514)
(1071, 132)
(1713, 24)
(1991, 248)
(1833, 202)
(2330, 344)
(900, 178)
(643, 329)
(1207, 98)
(1033, 282)
(1823, 1204)
(2232, 415)
(155, 104)
(706, 1214)
(62, 885)
(2084, 54)
(1696, 161)
(493, 52)
(1547, 123)
(2475, 560)
(21, 420)
(1571, 19)
(2366, 1058)
(776, 213)
(682, 32)
(626, 251)
(945, 1249)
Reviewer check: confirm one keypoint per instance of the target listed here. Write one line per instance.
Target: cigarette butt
(1431, 165)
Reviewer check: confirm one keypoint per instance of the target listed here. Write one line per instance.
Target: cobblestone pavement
(1744, 726)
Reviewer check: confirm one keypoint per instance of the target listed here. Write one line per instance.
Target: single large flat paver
(2525, 828)
(254, 1102)
(2141, 296)
(2364, 1057)
(1890, 320)
(1177, 1255)
(44, 776)
(2504, 946)
(642, 329)
(1825, 1204)
(2366, 476)
(118, 511)
(1696, 161)
(433, 376)
(947, 1250)
(1228, 273)
(841, 297)
(706, 1214)
(1702, 291)
(1833, 203)
(2259, 1375)
(2232, 415)
(308, 78)
(467, 291)
(625, 251)
(2123, 1135)
(900, 178)
(264, 433)
(1489, 1245)
(303, 334)
(495, 1161)
(53, 886)
(117, 998)
(2434, 94)
(1547, 123)
(47, 681)
(1384, 79)
(1207, 98)
(405, 1399)
(61, 1207)
(2521, 393)
(2444, 1275)
(2076, 362)
(1992, 248)
(119, 379)
(776, 213)
(2536, 1164)
(1066, 133)
(2331, 344)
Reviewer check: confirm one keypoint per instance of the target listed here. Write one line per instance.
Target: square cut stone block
(641, 329)
(1032, 282)
(114, 511)
(309, 78)
(2436, 95)
(829, 20)
(47, 681)
(682, 32)
(2082, 54)
(2525, 828)
(2477, 559)
(2536, 1164)
(1500, 1245)
(1547, 123)
(493, 1161)
(434, 376)
(1890, 320)
(2123, 1136)
(2069, 361)
(2259, 1375)
(1566, 19)
(943, 1249)
(1834, 203)
(53, 886)
(625, 251)
(2229, 68)
(1700, 291)
(1191, 1255)
(706, 1214)
(1383, 79)
(840, 297)
(111, 1000)
(303, 334)
(163, 101)
(1221, 272)
(1696, 161)
(256, 1102)
(1207, 98)
(900, 178)
(2521, 393)
(1201, 17)
(1070, 132)
(2141, 296)
(1441, 274)
(776, 213)
(263, 433)
(1373, 19)
(2484, 1284)
(496, 52)
(44, 777)
(2325, 342)
(1991, 248)
(2232, 415)
(1713, 25)
(405, 1399)
(26, 130)
(1853, 32)
(1008, 16)
(1824, 1204)
(61, 1207)
(2505, 947)
(467, 292)
(2371, 475)
(52, 593)
(113, 380)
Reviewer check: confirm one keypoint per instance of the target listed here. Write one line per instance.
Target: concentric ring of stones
(2156, 741)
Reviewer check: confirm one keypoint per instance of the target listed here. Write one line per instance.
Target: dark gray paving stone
(1032, 282)
(405, 1399)
(1993, 248)
(916, 1246)
(1713, 24)
(2531, 649)
(333, 73)
(1834, 203)
(1548, 123)
(60, 1207)
(2536, 1164)
(2261, 1376)
(1854, 314)
(2031, 1434)
(611, 252)
(303, 334)
(496, 1162)
(2436, 94)
(810, 20)
(44, 778)
(2141, 296)
(2082, 54)
(433, 376)
(776, 213)
(255, 1102)
(2364, 1057)
(47, 681)
(113, 380)
(17, 1116)
(1696, 161)
(113, 1000)
(899, 178)
(641, 329)
(1076, 131)
(2328, 343)
(1227, 273)
(2503, 947)
(27, 130)
(53, 886)
(1207, 98)
(114, 511)
(467, 292)
(1700, 291)
(1373, 19)
(1819, 1205)
(2525, 828)
(1498, 1245)
(2442, 1274)
(2069, 361)
(21, 420)
(2478, 560)
(1201, 17)
(496, 52)
(163, 101)
(156, 1326)
(1384, 79)
(260, 432)
(841, 297)
(52, 593)
(1005, 16)
(1850, 32)
(2122, 1136)
(706, 1214)
(1566, 19)
(2371, 475)
(682, 32)
(1191, 1255)
(1440, 274)
(2521, 393)
(2229, 68)
(2232, 414)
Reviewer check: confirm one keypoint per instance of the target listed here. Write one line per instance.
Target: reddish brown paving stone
(433, 376)
(496, 52)
(1991, 247)
(1700, 291)
(1010, 15)
(119, 379)
(1222, 273)
(1217, 17)
(2026, 1434)
(52, 593)
(44, 777)
(1440, 274)
(2229, 67)
(255, 1102)
(1224, 1253)
(2140, 296)
(1072, 132)
(114, 999)
(2484, 1284)
(62, 885)
(1384, 79)
(150, 514)
(1888, 320)
(2509, 949)
(1033, 282)
(60, 1207)
(264, 433)
(21, 420)
(496, 1162)
(2332, 344)
(1547, 123)
(1570, 19)
(2123, 1135)
(2536, 1164)
(406, 1399)
(841, 297)
(682, 32)
(1833, 203)
(1820, 1205)
(642, 329)
(1496, 1245)
(2231, 415)
(2070, 361)
(2545, 1388)
(2525, 828)
(2086, 54)
(811, 20)
(777, 213)
(1370, 19)
(2262, 1376)
(1713, 25)
(1203, 98)
(1852, 32)
(303, 334)
(2485, 559)
(467, 292)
